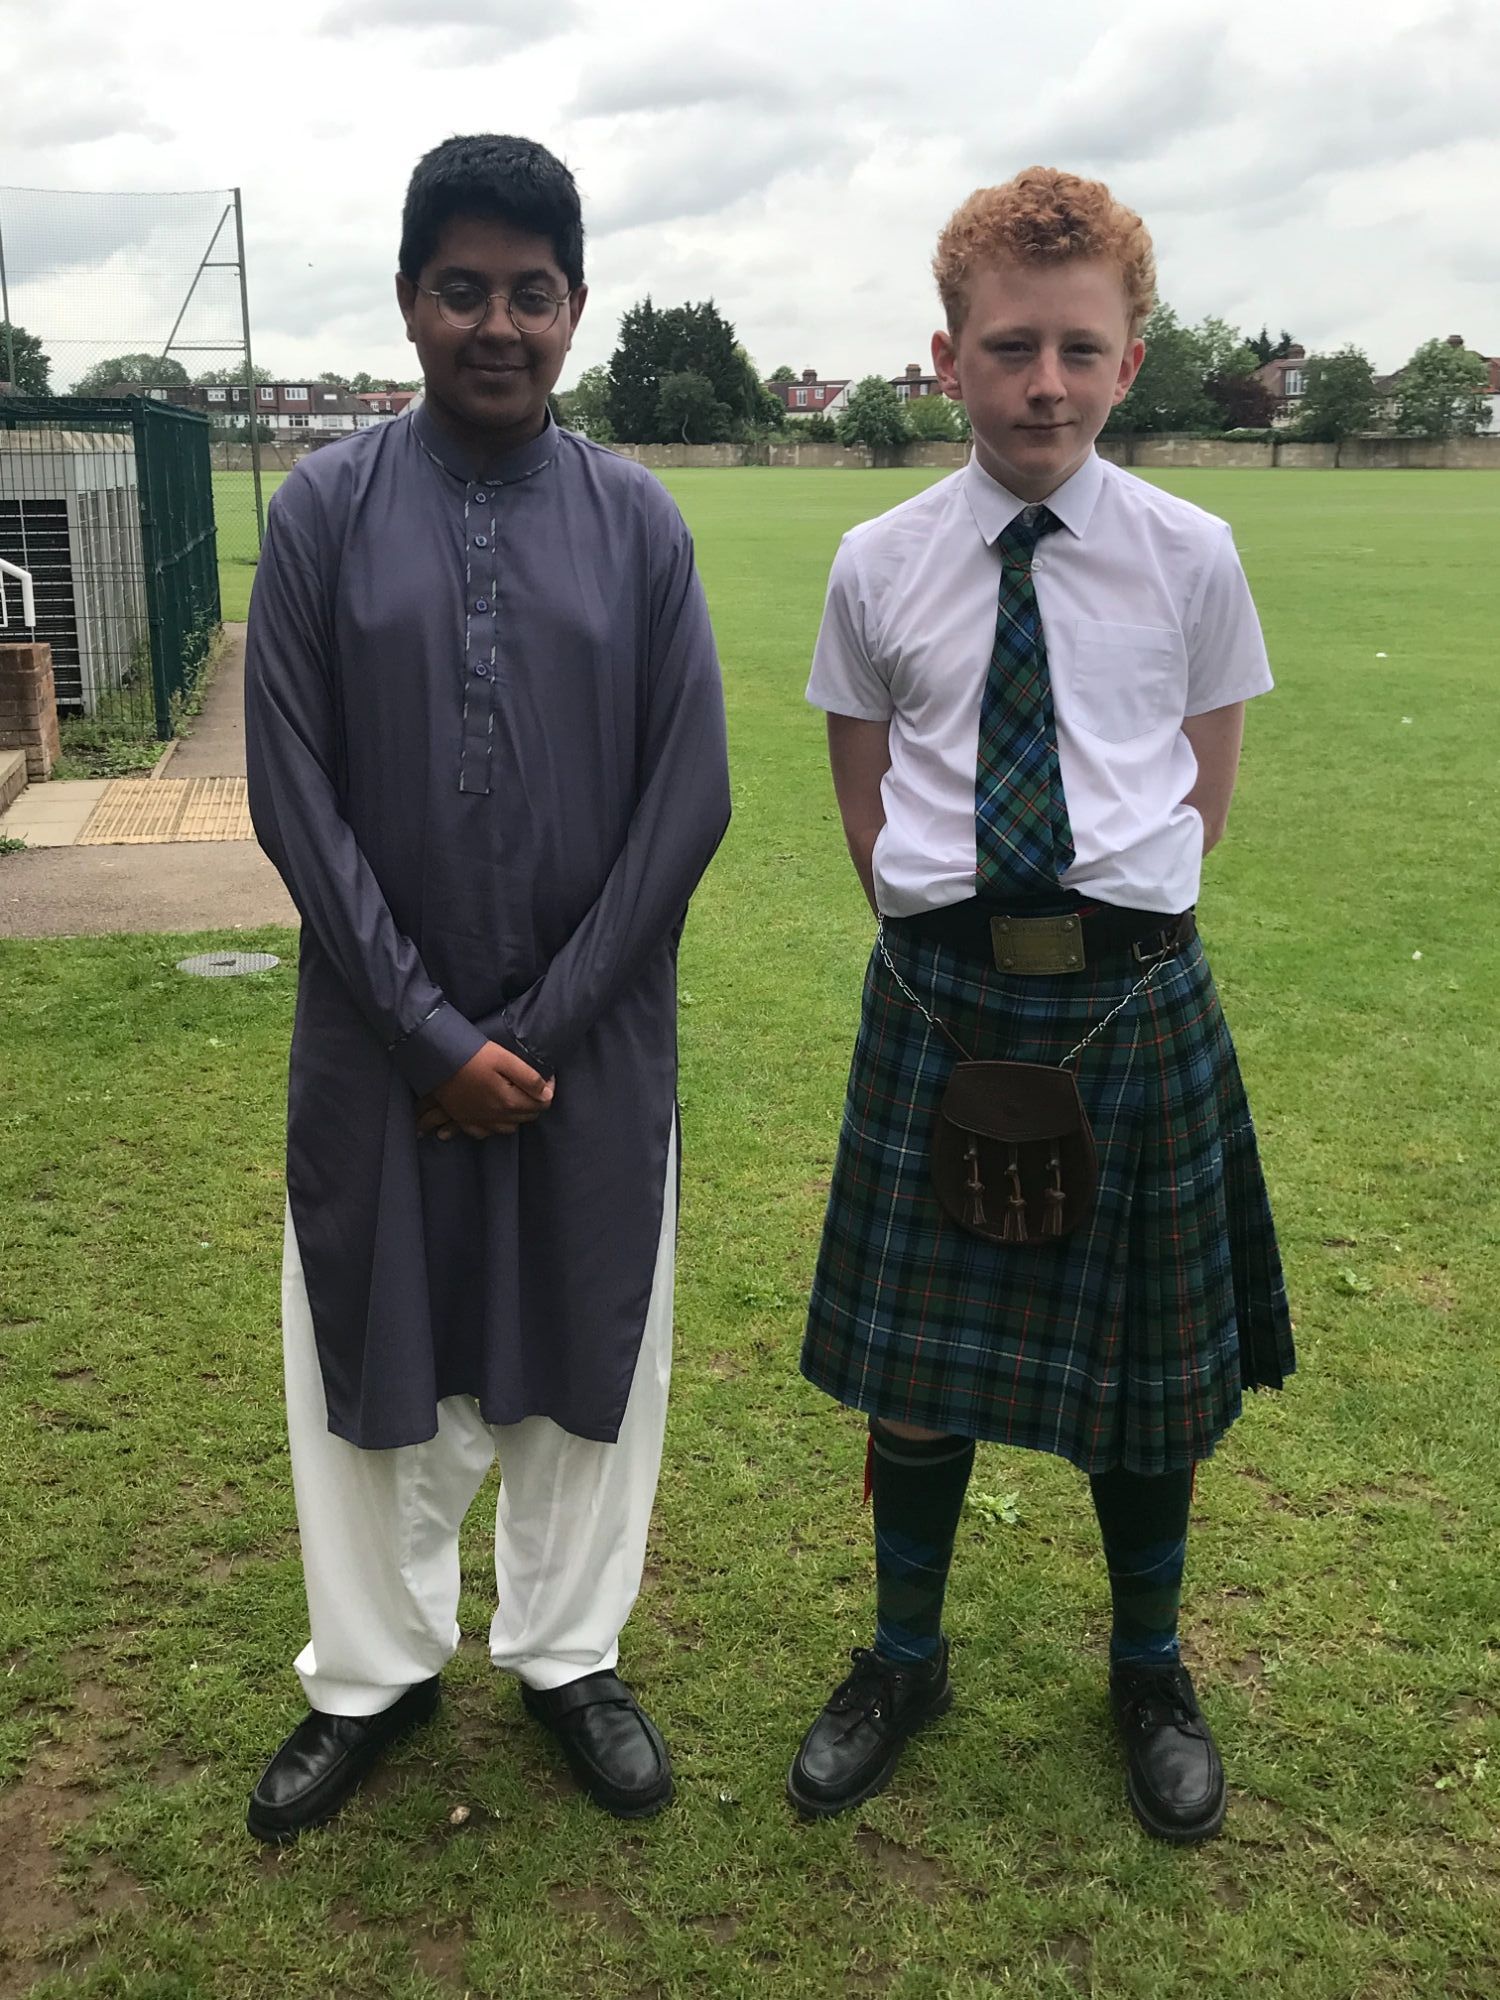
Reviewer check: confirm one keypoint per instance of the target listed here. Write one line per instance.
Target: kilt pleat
(1131, 1341)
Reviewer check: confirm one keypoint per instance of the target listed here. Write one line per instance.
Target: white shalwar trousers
(380, 1528)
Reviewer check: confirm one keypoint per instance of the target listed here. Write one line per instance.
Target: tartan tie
(1023, 840)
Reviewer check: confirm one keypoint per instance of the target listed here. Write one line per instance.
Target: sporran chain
(941, 1027)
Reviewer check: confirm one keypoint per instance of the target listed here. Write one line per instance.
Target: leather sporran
(1012, 1152)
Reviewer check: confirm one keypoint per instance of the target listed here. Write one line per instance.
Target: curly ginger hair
(1045, 215)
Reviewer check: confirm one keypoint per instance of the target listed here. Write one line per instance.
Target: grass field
(1343, 1611)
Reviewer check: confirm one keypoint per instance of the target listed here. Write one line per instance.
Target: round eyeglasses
(529, 308)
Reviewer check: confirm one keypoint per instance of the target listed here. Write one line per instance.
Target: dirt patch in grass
(916, 1874)
(61, 1787)
(440, 1954)
(596, 1908)
(1073, 1950)
(1274, 1500)
(721, 1928)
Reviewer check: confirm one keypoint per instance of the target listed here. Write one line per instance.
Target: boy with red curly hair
(1035, 675)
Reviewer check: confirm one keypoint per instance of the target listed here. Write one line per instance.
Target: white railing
(28, 594)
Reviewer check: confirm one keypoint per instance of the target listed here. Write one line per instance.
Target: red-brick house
(378, 405)
(812, 395)
(1286, 380)
(912, 382)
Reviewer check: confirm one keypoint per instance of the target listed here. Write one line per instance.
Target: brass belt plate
(1037, 944)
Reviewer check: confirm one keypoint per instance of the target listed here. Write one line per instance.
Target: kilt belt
(1069, 941)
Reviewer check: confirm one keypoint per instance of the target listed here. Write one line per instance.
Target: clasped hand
(494, 1093)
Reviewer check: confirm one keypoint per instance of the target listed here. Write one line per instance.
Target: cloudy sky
(1328, 168)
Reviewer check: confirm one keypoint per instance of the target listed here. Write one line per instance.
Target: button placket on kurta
(481, 639)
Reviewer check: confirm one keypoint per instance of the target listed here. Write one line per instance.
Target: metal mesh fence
(101, 293)
(107, 504)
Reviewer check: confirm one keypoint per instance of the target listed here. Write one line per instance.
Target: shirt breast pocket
(1127, 679)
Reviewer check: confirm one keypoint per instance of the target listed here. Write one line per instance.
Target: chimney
(1455, 340)
(1296, 352)
(913, 371)
(809, 374)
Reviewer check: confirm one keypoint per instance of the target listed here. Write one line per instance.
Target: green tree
(816, 429)
(688, 411)
(364, 384)
(635, 374)
(1168, 394)
(1226, 351)
(1265, 349)
(677, 340)
(698, 340)
(936, 419)
(771, 411)
(218, 378)
(782, 374)
(143, 371)
(764, 410)
(33, 369)
(1439, 392)
(874, 415)
(586, 405)
(1340, 397)
(335, 381)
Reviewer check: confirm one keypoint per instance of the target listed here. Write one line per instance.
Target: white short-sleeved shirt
(1147, 618)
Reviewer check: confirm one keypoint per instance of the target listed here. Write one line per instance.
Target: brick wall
(819, 457)
(28, 708)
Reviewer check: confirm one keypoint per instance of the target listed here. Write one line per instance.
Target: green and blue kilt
(1128, 1343)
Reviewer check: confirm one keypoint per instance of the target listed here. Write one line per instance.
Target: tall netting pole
(260, 505)
(10, 338)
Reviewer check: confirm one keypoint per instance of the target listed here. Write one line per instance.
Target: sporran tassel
(974, 1188)
(1052, 1214)
(1014, 1229)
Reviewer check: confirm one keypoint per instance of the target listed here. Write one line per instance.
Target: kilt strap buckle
(1166, 942)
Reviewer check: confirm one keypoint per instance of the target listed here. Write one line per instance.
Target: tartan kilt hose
(1127, 1343)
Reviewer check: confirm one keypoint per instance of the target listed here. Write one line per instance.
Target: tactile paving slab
(138, 812)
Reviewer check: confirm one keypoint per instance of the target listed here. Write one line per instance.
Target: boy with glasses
(1035, 675)
(485, 738)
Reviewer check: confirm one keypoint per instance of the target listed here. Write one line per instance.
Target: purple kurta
(485, 739)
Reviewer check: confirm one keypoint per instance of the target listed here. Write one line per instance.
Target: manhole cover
(227, 964)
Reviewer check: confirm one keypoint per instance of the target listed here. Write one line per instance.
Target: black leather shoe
(613, 1747)
(1173, 1773)
(852, 1750)
(325, 1759)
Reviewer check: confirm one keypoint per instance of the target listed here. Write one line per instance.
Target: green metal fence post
(147, 497)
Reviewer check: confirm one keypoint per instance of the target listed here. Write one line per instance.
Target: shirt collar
(497, 468)
(994, 506)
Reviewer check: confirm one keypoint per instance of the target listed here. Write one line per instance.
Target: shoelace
(874, 1680)
(1166, 1699)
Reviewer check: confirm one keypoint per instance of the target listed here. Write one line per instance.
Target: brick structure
(28, 708)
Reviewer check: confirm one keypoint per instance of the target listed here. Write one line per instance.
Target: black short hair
(490, 174)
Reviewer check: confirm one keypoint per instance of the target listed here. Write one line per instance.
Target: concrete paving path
(71, 891)
(213, 744)
(93, 891)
